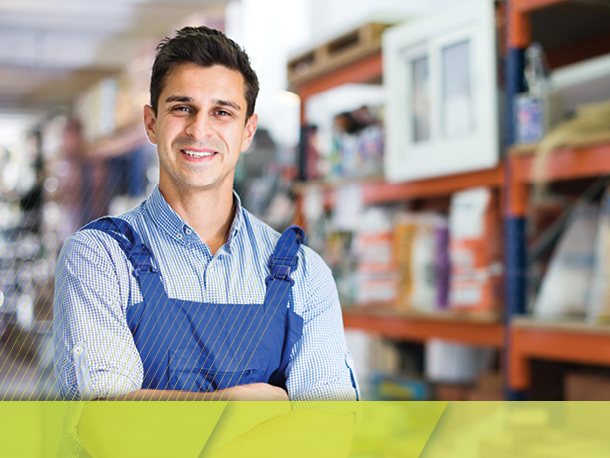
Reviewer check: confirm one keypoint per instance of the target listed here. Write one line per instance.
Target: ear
(249, 132)
(150, 123)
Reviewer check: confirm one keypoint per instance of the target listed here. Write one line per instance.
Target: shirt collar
(238, 220)
(168, 220)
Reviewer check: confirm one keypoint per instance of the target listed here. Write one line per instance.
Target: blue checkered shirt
(95, 355)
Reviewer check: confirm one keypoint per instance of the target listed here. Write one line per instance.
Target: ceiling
(50, 50)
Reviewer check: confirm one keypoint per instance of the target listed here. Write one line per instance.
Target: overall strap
(282, 263)
(130, 242)
(136, 251)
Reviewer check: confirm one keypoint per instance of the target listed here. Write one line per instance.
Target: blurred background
(448, 160)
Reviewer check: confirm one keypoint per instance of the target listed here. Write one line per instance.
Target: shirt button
(180, 236)
(78, 350)
(188, 232)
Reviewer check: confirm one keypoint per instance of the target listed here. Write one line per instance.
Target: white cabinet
(442, 98)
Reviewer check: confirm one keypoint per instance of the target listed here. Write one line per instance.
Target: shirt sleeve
(321, 367)
(95, 355)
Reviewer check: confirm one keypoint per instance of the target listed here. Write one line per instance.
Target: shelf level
(574, 342)
(527, 6)
(366, 70)
(337, 53)
(565, 164)
(380, 192)
(484, 331)
(387, 192)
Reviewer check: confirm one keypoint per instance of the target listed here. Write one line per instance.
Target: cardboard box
(586, 387)
(375, 253)
(478, 395)
(491, 382)
(475, 250)
(450, 392)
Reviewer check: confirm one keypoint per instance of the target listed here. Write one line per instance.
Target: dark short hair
(206, 47)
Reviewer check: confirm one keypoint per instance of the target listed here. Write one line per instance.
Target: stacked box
(376, 268)
(421, 252)
(475, 251)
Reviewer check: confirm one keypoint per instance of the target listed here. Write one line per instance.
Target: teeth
(196, 154)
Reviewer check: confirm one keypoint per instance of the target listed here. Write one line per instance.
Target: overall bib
(198, 346)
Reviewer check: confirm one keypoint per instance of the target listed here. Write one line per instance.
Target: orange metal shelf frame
(421, 327)
(576, 343)
(563, 164)
(526, 6)
(519, 29)
(365, 70)
(566, 164)
(379, 192)
(387, 192)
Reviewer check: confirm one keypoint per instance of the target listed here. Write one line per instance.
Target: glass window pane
(421, 99)
(457, 105)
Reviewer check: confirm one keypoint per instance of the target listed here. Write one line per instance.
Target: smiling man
(189, 296)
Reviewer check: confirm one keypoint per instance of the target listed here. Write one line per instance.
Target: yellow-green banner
(324, 429)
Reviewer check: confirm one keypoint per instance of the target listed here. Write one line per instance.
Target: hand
(257, 392)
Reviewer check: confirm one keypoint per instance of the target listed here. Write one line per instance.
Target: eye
(181, 109)
(222, 113)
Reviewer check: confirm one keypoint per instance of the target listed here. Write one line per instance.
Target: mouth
(197, 154)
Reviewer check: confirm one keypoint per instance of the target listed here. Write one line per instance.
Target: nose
(198, 126)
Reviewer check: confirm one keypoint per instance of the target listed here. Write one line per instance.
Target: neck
(209, 212)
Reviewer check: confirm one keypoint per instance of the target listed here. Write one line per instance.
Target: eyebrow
(227, 103)
(178, 98)
(185, 99)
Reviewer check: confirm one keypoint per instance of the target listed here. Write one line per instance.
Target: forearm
(174, 395)
(252, 392)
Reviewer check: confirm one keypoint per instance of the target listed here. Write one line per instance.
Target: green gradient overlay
(227, 429)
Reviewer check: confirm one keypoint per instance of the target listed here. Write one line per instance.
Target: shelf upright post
(304, 138)
(518, 38)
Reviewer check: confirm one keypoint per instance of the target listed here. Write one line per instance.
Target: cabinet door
(442, 101)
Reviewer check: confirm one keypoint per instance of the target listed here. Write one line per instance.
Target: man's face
(200, 127)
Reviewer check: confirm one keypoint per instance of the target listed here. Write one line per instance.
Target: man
(188, 296)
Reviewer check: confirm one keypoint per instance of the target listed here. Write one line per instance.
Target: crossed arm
(106, 432)
(253, 392)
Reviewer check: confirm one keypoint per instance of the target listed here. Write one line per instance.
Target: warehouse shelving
(587, 35)
(380, 192)
(566, 341)
(569, 31)
(475, 329)
(567, 163)
(572, 341)
(356, 52)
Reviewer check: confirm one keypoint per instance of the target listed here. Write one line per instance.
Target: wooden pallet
(336, 53)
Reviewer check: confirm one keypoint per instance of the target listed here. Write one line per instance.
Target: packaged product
(566, 284)
(375, 276)
(598, 306)
(404, 232)
(475, 250)
(451, 362)
(422, 260)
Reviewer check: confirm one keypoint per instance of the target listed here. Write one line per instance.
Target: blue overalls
(198, 346)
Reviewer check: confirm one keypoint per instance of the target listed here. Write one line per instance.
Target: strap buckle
(143, 268)
(280, 272)
(140, 258)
